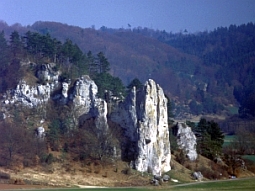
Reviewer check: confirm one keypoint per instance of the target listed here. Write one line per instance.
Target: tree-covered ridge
(187, 69)
(132, 55)
(70, 59)
(228, 51)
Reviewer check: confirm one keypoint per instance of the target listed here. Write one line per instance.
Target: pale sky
(169, 15)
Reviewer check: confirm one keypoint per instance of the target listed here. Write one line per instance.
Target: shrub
(4, 175)
(126, 171)
(181, 157)
(49, 159)
(188, 166)
(208, 173)
(251, 168)
(27, 163)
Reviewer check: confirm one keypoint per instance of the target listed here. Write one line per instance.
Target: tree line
(18, 138)
(227, 62)
(39, 48)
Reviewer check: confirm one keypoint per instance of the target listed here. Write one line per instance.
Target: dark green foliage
(135, 82)
(103, 64)
(4, 56)
(16, 45)
(4, 61)
(105, 81)
(170, 108)
(210, 138)
(173, 139)
(71, 52)
(10, 55)
(49, 159)
(54, 134)
(42, 46)
(191, 124)
(246, 97)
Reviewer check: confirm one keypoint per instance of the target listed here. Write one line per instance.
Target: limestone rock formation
(30, 96)
(40, 132)
(83, 95)
(35, 95)
(186, 140)
(48, 72)
(144, 117)
(88, 104)
(197, 175)
(143, 114)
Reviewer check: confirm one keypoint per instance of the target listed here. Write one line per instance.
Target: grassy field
(249, 157)
(231, 185)
(233, 110)
(228, 139)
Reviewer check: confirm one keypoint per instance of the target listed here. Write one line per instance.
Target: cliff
(142, 115)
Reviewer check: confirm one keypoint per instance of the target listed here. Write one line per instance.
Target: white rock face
(88, 104)
(47, 73)
(85, 91)
(186, 140)
(30, 96)
(153, 142)
(65, 89)
(33, 96)
(84, 97)
(144, 117)
(40, 132)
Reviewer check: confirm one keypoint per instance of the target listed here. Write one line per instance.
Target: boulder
(40, 132)
(166, 177)
(197, 175)
(186, 140)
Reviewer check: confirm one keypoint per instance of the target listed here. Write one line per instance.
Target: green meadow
(247, 184)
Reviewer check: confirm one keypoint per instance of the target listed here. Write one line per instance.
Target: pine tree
(210, 138)
(15, 44)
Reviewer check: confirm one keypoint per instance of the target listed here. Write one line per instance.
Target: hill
(59, 111)
(207, 72)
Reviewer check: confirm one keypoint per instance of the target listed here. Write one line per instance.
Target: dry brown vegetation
(90, 172)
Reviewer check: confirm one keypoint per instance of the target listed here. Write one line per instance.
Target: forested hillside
(206, 72)
(36, 49)
(230, 51)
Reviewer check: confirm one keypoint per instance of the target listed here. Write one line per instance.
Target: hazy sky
(169, 15)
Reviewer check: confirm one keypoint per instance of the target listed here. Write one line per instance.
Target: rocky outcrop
(40, 132)
(48, 72)
(197, 176)
(36, 95)
(83, 95)
(186, 140)
(143, 115)
(88, 104)
(30, 96)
